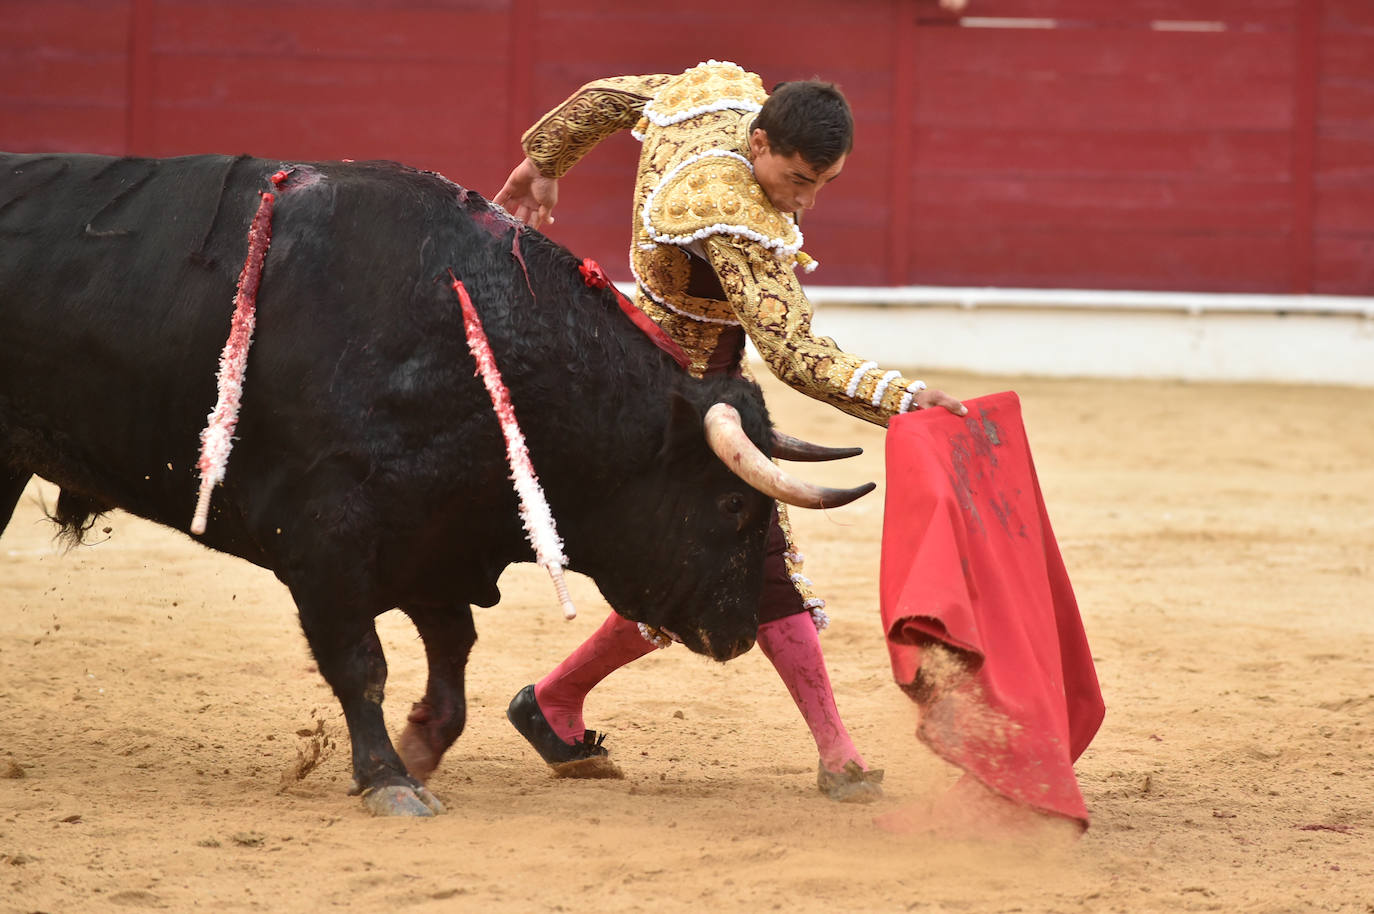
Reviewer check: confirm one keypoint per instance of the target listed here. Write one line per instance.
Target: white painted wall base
(1079, 333)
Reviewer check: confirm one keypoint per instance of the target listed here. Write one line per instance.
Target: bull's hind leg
(343, 637)
(11, 489)
(437, 720)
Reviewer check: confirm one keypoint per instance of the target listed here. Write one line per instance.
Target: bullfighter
(725, 172)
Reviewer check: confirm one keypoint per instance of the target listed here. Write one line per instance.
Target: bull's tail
(75, 515)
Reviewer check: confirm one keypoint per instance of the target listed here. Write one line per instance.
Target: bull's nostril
(722, 648)
(741, 646)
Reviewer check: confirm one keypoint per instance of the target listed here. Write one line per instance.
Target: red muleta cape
(969, 560)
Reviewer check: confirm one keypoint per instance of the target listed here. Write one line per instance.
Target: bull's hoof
(585, 758)
(399, 800)
(852, 784)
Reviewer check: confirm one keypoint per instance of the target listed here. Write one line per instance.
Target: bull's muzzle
(723, 649)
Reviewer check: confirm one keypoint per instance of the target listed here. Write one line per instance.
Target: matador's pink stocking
(561, 693)
(794, 648)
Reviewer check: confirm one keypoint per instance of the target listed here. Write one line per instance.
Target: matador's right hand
(529, 196)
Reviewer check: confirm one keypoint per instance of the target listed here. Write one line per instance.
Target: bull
(369, 471)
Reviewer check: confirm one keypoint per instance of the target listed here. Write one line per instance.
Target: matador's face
(790, 182)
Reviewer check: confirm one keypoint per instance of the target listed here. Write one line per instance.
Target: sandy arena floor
(153, 697)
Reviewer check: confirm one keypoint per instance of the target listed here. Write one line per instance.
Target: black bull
(369, 471)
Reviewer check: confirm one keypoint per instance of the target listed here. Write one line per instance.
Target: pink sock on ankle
(794, 648)
(561, 693)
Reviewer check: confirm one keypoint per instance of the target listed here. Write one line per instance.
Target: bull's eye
(732, 504)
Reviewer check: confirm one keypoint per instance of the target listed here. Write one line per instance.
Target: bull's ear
(684, 425)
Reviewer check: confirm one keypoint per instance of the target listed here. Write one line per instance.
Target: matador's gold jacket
(710, 252)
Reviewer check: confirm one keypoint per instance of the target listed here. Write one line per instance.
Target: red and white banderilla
(534, 508)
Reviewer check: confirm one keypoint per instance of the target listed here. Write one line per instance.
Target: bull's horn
(789, 448)
(726, 436)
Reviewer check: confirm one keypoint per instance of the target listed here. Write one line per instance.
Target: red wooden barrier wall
(1223, 145)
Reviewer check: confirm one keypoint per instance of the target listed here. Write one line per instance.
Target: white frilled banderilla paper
(534, 508)
(218, 437)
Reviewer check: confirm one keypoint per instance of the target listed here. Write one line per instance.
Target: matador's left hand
(929, 399)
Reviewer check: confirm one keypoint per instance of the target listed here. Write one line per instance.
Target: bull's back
(117, 284)
(116, 288)
(108, 266)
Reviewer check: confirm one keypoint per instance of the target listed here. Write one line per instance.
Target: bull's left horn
(726, 436)
(789, 448)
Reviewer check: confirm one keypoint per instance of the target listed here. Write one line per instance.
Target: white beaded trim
(882, 386)
(780, 248)
(655, 636)
(676, 310)
(853, 386)
(696, 317)
(796, 558)
(909, 398)
(724, 104)
(819, 618)
(799, 578)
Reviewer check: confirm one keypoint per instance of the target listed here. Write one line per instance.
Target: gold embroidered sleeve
(773, 309)
(562, 137)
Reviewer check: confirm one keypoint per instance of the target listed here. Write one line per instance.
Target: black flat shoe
(526, 716)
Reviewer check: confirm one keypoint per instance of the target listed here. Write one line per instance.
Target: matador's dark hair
(810, 117)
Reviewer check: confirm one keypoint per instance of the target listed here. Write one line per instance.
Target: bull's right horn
(726, 436)
(789, 448)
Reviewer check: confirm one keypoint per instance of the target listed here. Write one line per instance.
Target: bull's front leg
(436, 720)
(344, 642)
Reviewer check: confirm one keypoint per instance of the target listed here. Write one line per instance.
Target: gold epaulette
(715, 193)
(712, 86)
